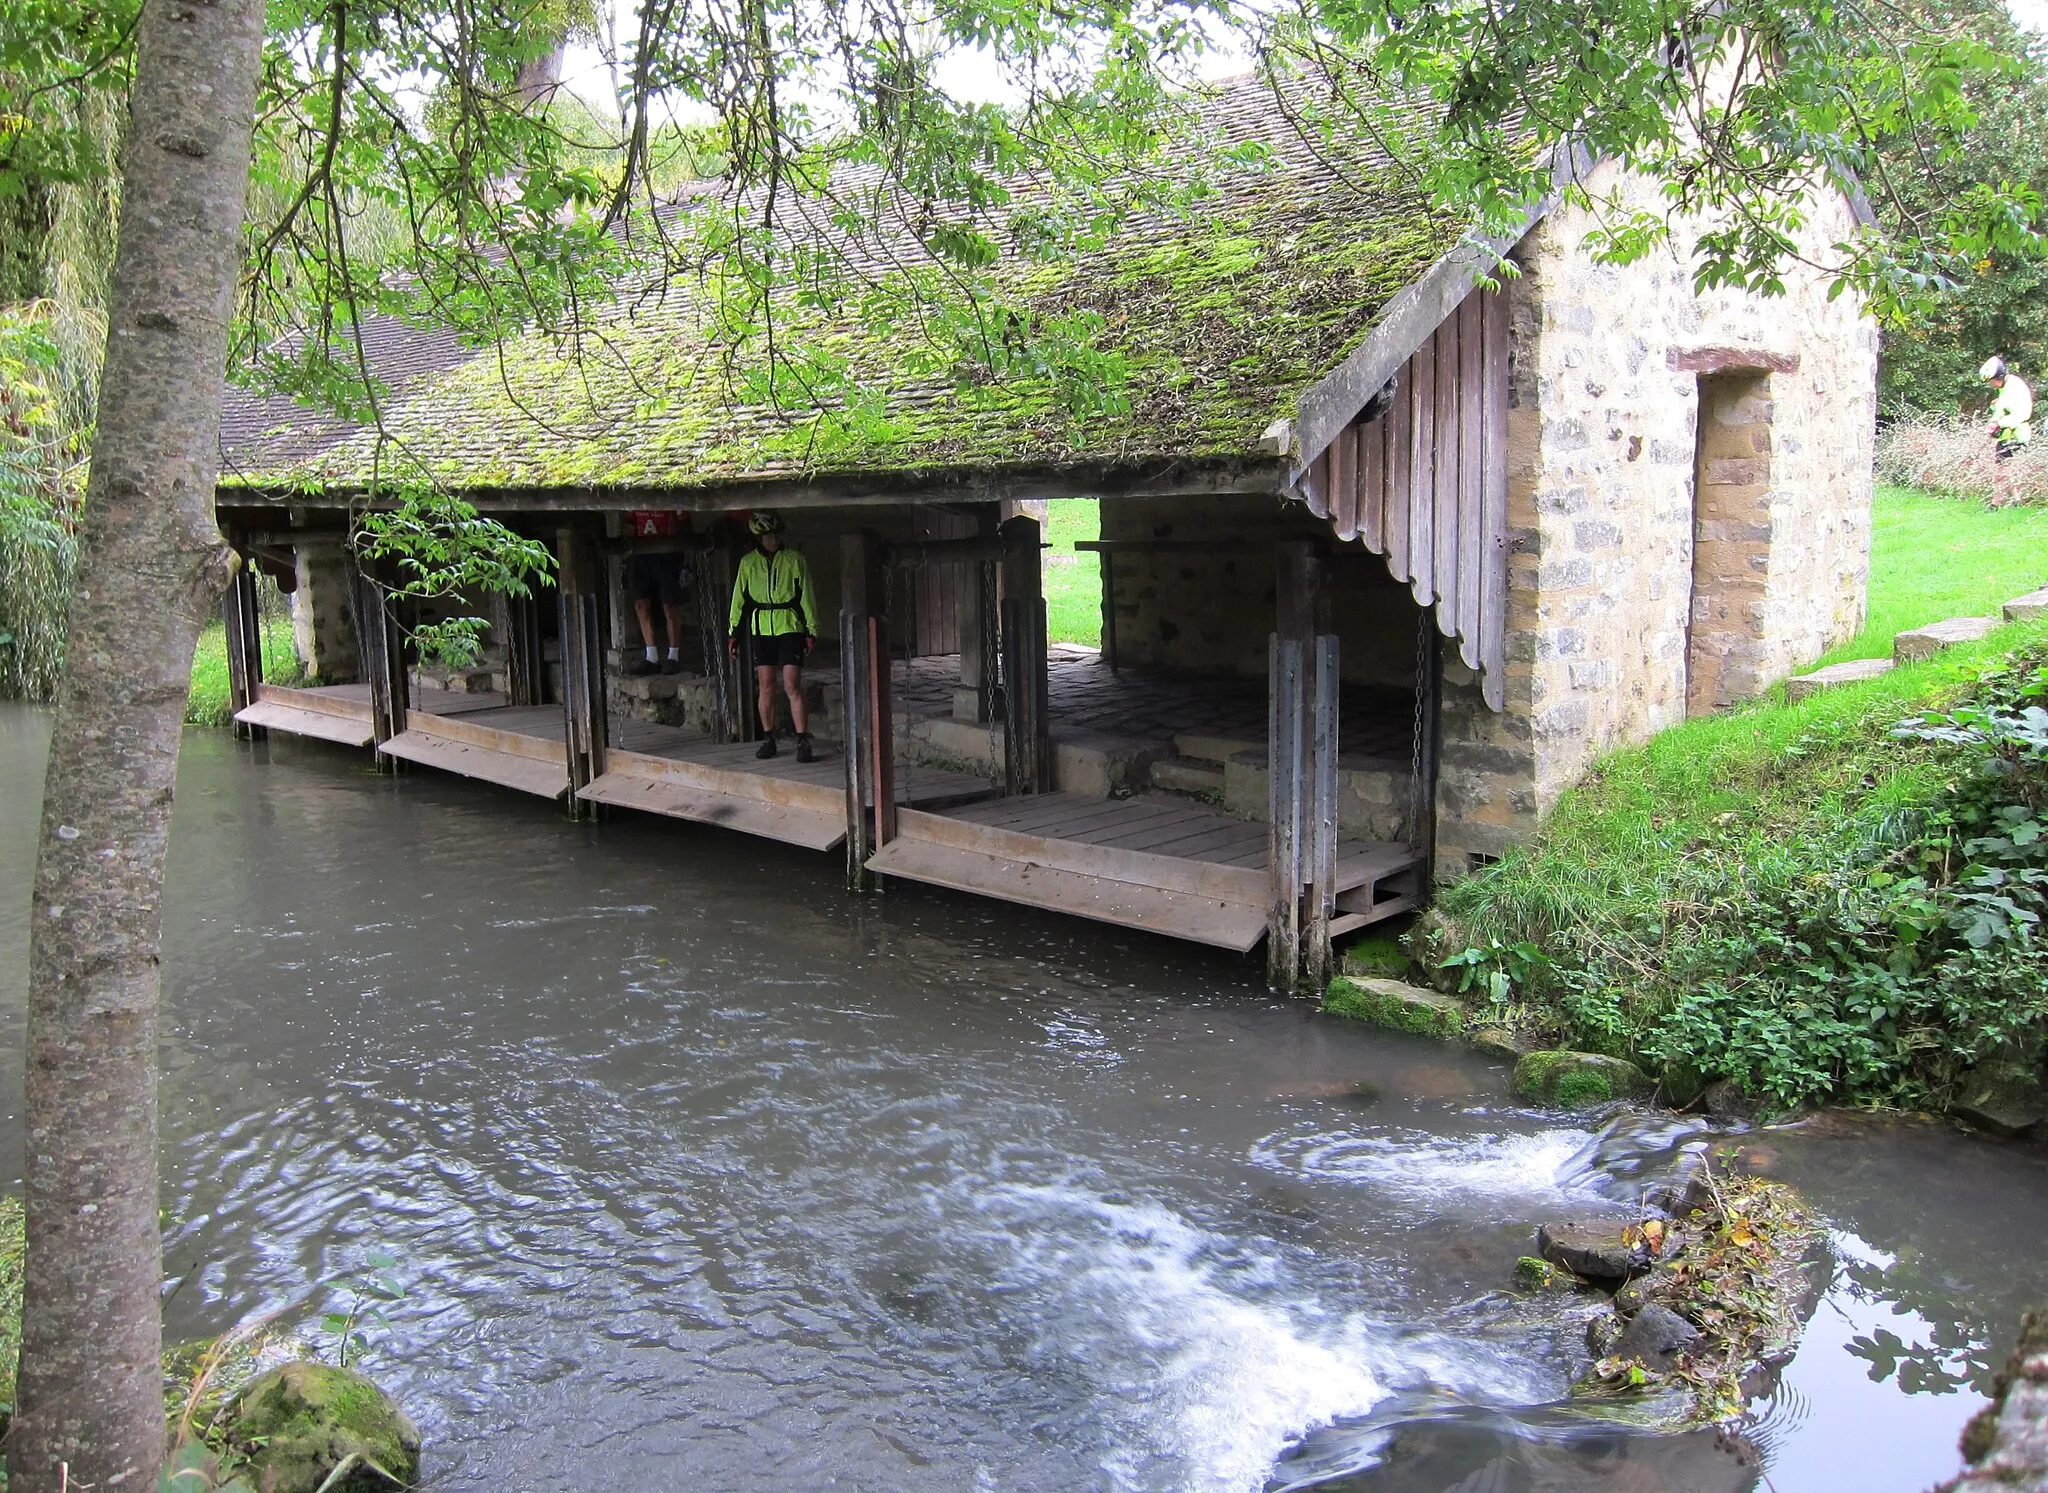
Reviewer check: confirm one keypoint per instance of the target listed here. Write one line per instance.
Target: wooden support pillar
(526, 670)
(977, 627)
(1027, 733)
(382, 649)
(870, 725)
(1301, 753)
(581, 606)
(1107, 559)
(244, 628)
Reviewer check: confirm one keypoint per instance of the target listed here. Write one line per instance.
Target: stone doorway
(1731, 541)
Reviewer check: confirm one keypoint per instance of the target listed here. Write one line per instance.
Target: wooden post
(1301, 755)
(1320, 892)
(526, 671)
(1027, 739)
(976, 626)
(383, 654)
(870, 728)
(244, 628)
(583, 704)
(1108, 560)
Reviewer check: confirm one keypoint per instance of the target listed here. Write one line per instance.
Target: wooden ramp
(512, 746)
(1165, 866)
(663, 771)
(334, 712)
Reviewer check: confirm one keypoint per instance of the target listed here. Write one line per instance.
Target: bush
(1952, 454)
(1852, 910)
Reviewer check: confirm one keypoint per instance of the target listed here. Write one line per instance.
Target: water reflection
(697, 1167)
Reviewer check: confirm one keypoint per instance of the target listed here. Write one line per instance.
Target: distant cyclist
(775, 605)
(2012, 423)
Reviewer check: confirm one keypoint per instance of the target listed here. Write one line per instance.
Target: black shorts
(659, 578)
(2007, 450)
(779, 652)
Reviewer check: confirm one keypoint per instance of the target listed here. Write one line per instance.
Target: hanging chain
(1417, 789)
(991, 666)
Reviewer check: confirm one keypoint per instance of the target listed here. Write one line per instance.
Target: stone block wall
(1210, 612)
(323, 633)
(1605, 446)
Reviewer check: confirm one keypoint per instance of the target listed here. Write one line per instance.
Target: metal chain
(991, 667)
(1417, 789)
(901, 758)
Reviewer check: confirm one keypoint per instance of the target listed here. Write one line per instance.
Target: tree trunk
(90, 1403)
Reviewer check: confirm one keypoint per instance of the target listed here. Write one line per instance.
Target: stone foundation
(323, 629)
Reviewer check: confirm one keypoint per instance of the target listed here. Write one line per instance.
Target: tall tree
(407, 163)
(91, 1410)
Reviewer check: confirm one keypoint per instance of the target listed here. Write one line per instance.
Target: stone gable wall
(1603, 450)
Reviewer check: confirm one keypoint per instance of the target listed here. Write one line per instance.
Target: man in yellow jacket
(775, 606)
(2012, 423)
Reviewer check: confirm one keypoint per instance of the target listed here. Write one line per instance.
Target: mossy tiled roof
(1219, 318)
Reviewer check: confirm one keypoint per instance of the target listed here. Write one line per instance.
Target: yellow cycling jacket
(773, 595)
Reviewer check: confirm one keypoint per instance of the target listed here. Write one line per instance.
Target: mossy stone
(1576, 1080)
(1533, 1274)
(1373, 957)
(301, 1421)
(1398, 1007)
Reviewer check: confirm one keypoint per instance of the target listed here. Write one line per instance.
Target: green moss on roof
(1216, 323)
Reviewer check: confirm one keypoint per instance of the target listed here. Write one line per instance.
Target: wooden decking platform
(1158, 863)
(1163, 865)
(341, 712)
(799, 803)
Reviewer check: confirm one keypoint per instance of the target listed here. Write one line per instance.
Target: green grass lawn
(1073, 581)
(1934, 557)
(208, 705)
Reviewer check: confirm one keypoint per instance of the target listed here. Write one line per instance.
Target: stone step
(1177, 775)
(2027, 608)
(1197, 746)
(1097, 764)
(1924, 642)
(1855, 671)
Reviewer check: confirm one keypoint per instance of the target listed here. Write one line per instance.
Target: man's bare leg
(765, 676)
(793, 686)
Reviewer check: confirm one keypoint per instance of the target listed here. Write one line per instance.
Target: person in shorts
(654, 579)
(774, 607)
(2012, 424)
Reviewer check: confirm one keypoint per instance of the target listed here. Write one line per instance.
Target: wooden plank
(1197, 878)
(1355, 867)
(1315, 485)
(1400, 477)
(507, 770)
(1162, 834)
(1444, 504)
(1493, 581)
(1372, 484)
(792, 826)
(487, 735)
(327, 701)
(821, 798)
(1162, 910)
(1421, 475)
(1471, 469)
(323, 725)
(1344, 483)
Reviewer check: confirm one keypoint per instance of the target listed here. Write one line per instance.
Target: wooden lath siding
(1426, 485)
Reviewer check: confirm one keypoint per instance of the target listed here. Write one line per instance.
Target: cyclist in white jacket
(2012, 416)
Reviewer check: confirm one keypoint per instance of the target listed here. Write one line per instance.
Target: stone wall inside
(1604, 449)
(323, 633)
(1210, 611)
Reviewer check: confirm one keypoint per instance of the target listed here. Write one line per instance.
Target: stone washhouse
(1390, 554)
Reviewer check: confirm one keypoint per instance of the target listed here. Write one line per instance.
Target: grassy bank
(1793, 896)
(1073, 579)
(208, 704)
(1933, 557)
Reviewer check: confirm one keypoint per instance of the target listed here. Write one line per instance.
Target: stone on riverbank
(1574, 1080)
(1800, 686)
(2006, 1444)
(301, 1421)
(2004, 1098)
(1396, 1006)
(1924, 642)
(1605, 1251)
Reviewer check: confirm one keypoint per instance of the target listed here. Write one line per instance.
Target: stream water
(700, 1172)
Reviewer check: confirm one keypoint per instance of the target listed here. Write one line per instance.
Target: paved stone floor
(1085, 695)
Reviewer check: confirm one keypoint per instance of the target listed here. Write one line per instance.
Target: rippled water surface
(702, 1173)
